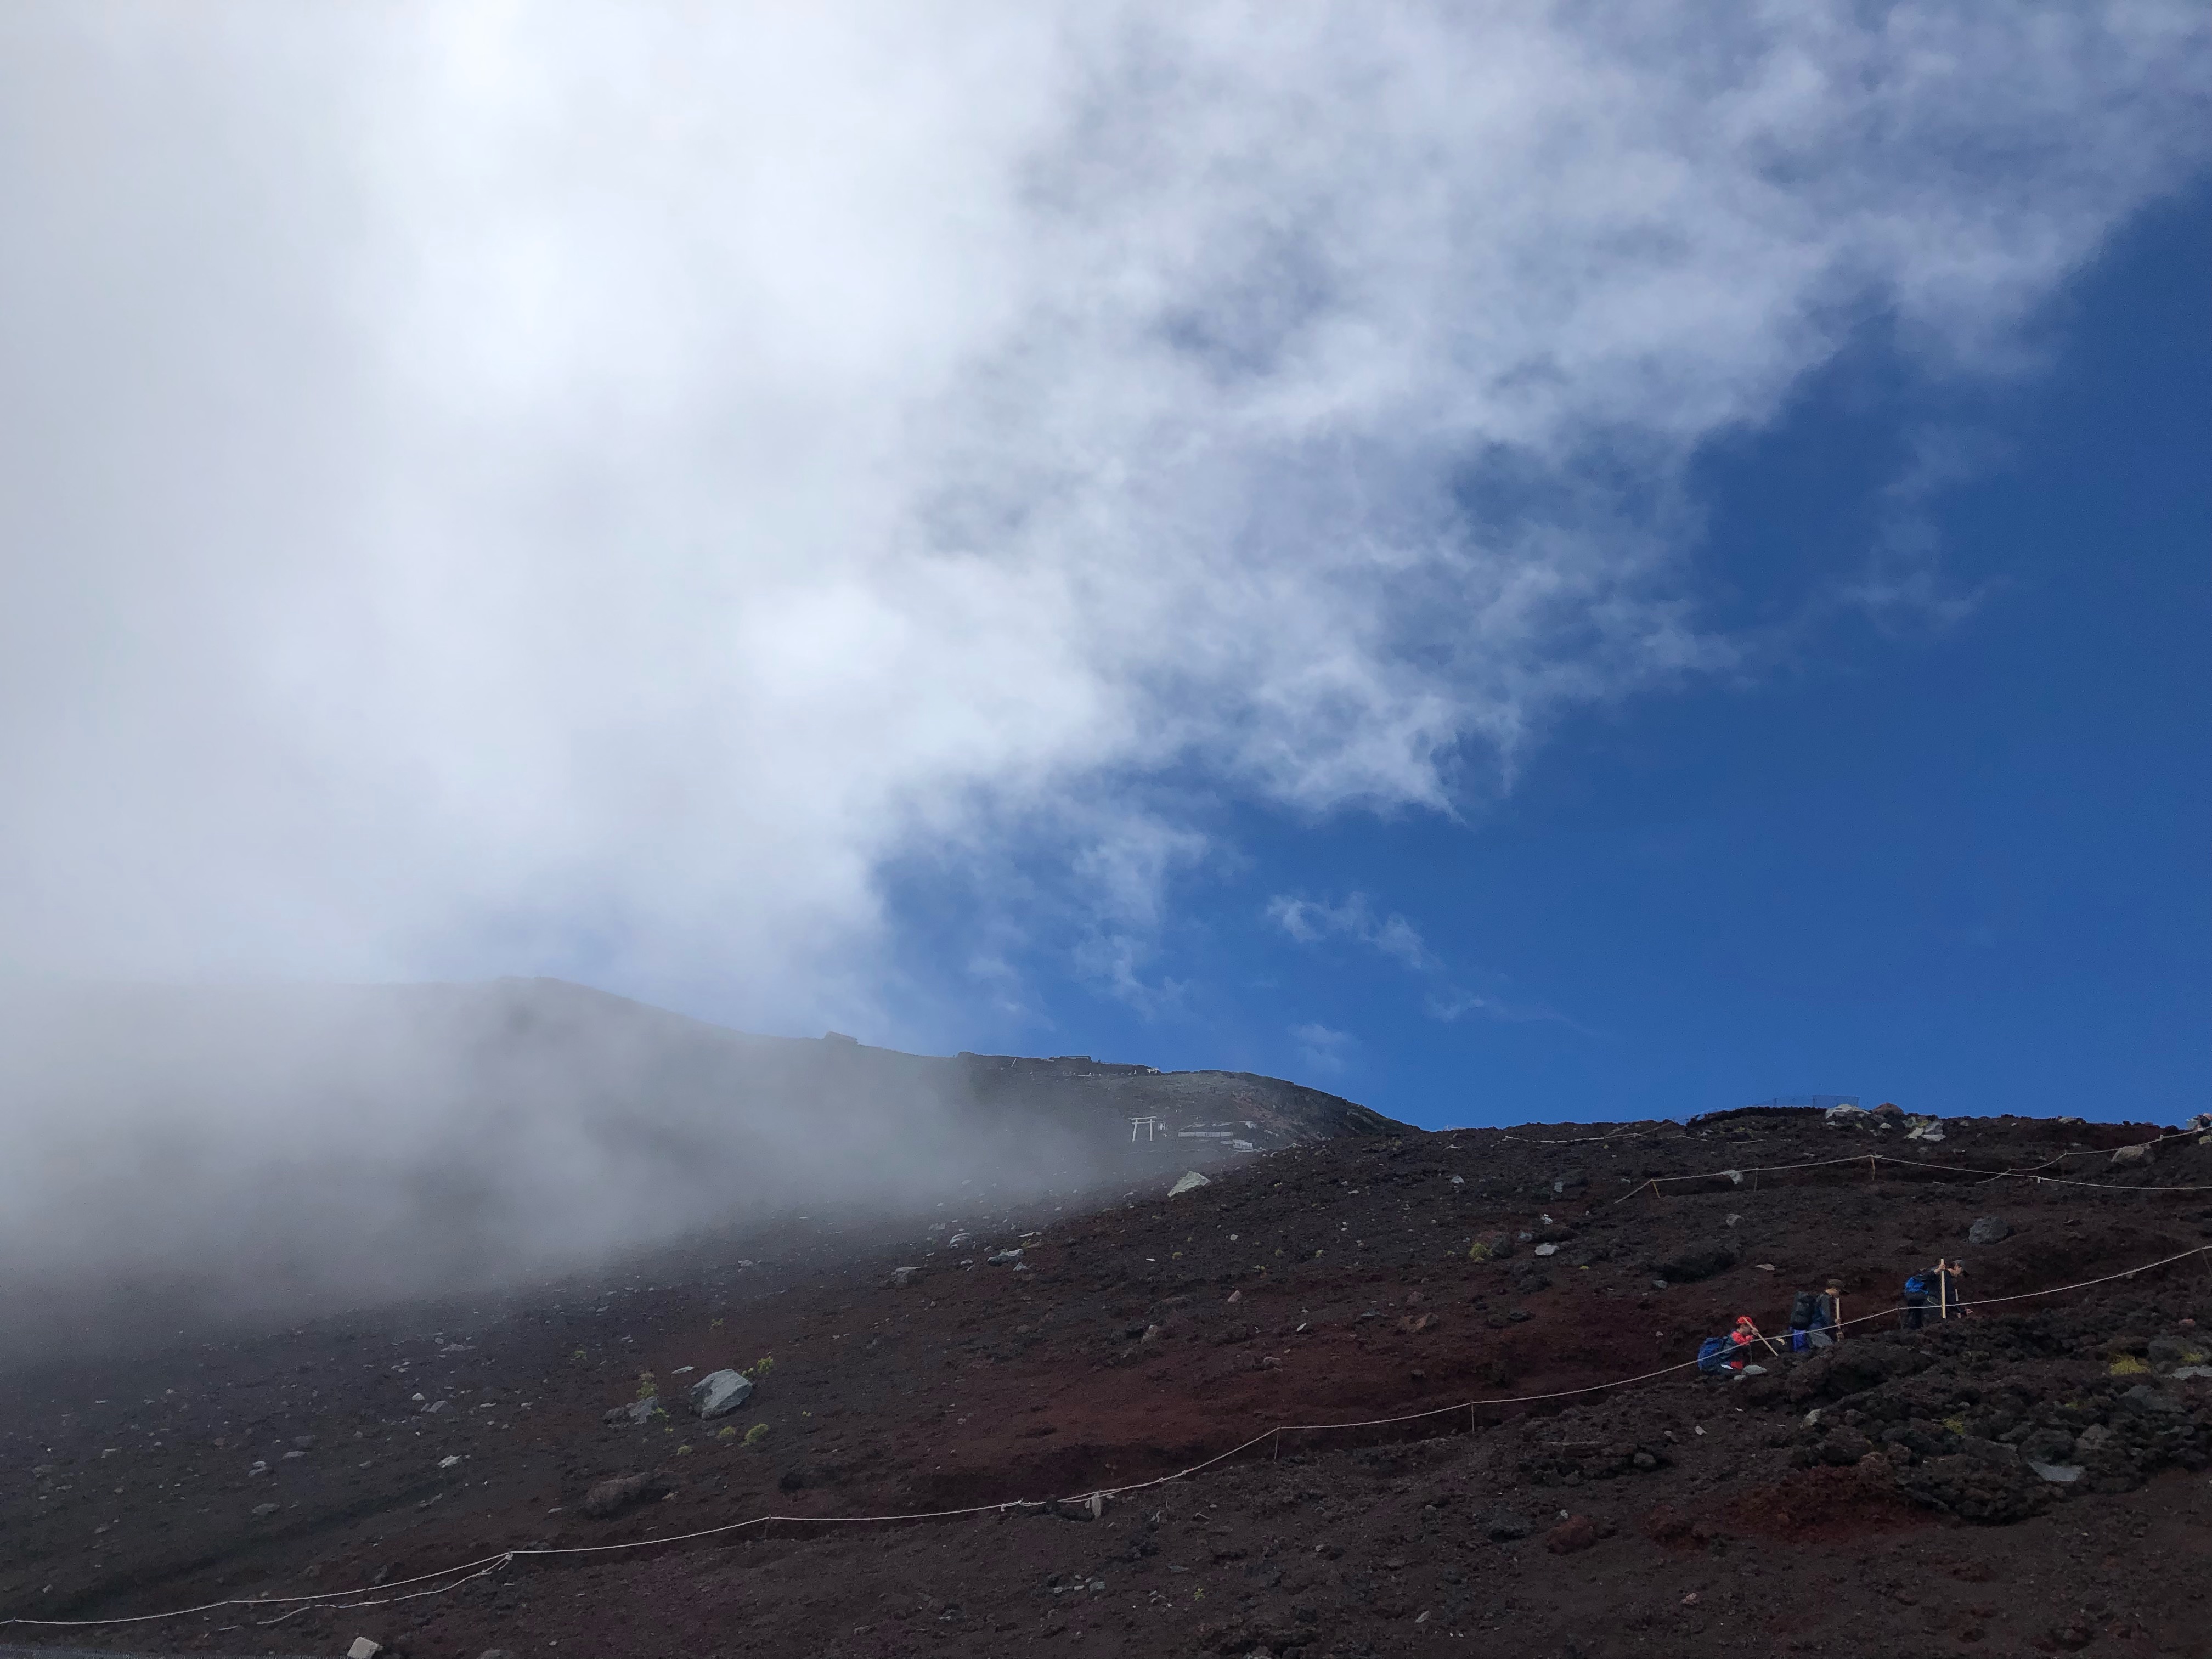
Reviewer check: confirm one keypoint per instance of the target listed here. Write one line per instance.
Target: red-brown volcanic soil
(1876, 1499)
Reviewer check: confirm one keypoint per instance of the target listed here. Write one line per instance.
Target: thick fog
(590, 490)
(178, 1154)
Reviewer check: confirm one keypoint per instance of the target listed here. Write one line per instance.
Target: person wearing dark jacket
(1826, 1329)
(1915, 1304)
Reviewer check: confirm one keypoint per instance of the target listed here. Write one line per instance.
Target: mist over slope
(279, 1149)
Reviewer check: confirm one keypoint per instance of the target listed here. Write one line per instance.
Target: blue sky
(1509, 568)
(1962, 860)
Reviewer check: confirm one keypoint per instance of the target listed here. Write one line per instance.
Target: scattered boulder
(362, 1648)
(1004, 1258)
(263, 1511)
(903, 1277)
(1577, 1531)
(1696, 1261)
(720, 1393)
(437, 1408)
(1505, 1528)
(1989, 1230)
(1844, 1446)
(1191, 1180)
(638, 1411)
(2133, 1154)
(1548, 1249)
(2150, 1402)
(613, 1496)
(1573, 1180)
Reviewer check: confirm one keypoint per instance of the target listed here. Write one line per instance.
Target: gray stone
(638, 1411)
(437, 1408)
(1989, 1230)
(1003, 1258)
(2047, 1446)
(261, 1511)
(2062, 1474)
(2151, 1402)
(1504, 1526)
(1189, 1181)
(720, 1393)
(903, 1277)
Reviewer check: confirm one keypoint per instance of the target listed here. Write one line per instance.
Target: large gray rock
(720, 1393)
(638, 1411)
(1989, 1230)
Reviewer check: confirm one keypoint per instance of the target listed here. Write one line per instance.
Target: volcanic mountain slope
(286, 1149)
(2030, 1478)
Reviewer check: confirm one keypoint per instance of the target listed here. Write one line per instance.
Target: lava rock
(1845, 1447)
(2149, 1401)
(1577, 1531)
(1696, 1261)
(1989, 1230)
(612, 1496)
(720, 1393)
(1505, 1528)
(638, 1411)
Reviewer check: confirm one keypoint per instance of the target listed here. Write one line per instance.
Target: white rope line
(484, 1565)
(1737, 1172)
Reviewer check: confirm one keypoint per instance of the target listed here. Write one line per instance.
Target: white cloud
(1309, 920)
(490, 488)
(1321, 1049)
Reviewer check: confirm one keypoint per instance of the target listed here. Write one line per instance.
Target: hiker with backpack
(1801, 1307)
(1815, 1320)
(1828, 1316)
(1915, 1304)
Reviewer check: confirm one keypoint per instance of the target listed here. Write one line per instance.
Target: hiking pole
(1942, 1289)
(1770, 1347)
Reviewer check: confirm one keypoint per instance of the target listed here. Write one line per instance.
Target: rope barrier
(484, 1567)
(1737, 1173)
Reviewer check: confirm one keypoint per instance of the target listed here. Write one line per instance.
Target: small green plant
(756, 1434)
(762, 1367)
(727, 1434)
(579, 1356)
(2128, 1366)
(647, 1387)
(1477, 1251)
(684, 1451)
(1956, 1424)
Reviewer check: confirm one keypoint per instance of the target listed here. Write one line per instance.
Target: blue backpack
(1916, 1285)
(1713, 1352)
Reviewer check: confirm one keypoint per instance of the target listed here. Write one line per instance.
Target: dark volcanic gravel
(1879, 1499)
